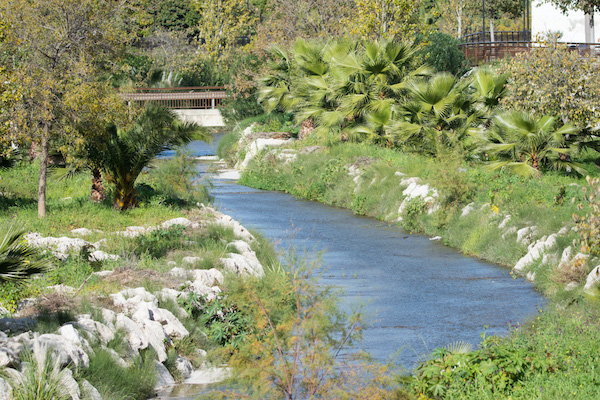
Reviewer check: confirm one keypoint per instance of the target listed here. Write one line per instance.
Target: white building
(547, 18)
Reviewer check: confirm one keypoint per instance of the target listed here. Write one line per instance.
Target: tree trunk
(45, 144)
(306, 128)
(125, 196)
(97, 194)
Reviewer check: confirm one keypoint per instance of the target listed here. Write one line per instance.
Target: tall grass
(117, 383)
(42, 377)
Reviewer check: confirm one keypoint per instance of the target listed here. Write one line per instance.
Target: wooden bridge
(203, 98)
(195, 104)
(480, 48)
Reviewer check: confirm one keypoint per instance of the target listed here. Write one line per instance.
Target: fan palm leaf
(18, 260)
(129, 151)
(526, 145)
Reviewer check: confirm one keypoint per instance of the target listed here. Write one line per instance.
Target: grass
(554, 356)
(117, 383)
(548, 202)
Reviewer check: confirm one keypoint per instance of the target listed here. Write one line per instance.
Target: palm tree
(129, 151)
(526, 145)
(19, 261)
(488, 88)
(438, 113)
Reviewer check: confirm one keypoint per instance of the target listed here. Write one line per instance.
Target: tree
(587, 6)
(527, 145)
(128, 150)
(386, 19)
(309, 19)
(223, 23)
(92, 107)
(347, 88)
(297, 347)
(456, 16)
(66, 43)
(18, 261)
(437, 115)
(441, 51)
(553, 80)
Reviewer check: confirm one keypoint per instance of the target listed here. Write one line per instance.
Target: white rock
(531, 276)
(238, 229)
(525, 235)
(89, 391)
(157, 338)
(81, 231)
(509, 231)
(135, 337)
(241, 265)
(256, 146)
(96, 329)
(108, 316)
(409, 181)
(104, 273)
(504, 222)
(176, 221)
(61, 289)
(241, 246)
(400, 174)
(163, 376)
(171, 325)
(69, 384)
(184, 366)
(536, 251)
(436, 238)
(209, 277)
(100, 255)
(5, 390)
(567, 254)
(201, 289)
(64, 349)
(191, 260)
(207, 375)
(593, 279)
(229, 174)
(7, 357)
(563, 231)
(168, 294)
(116, 357)
(130, 299)
(571, 286)
(69, 332)
(178, 272)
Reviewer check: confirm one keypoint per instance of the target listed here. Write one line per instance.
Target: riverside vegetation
(268, 308)
(466, 178)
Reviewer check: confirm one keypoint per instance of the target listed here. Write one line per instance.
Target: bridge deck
(181, 98)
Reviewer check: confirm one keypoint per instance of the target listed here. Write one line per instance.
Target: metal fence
(206, 97)
(478, 47)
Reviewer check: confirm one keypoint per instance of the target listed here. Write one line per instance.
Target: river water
(417, 294)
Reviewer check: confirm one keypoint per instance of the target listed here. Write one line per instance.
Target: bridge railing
(205, 97)
(486, 51)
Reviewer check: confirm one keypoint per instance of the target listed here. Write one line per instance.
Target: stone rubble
(143, 323)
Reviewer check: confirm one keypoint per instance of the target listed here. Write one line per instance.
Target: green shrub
(176, 179)
(117, 383)
(42, 378)
(548, 358)
(159, 242)
(553, 80)
(415, 207)
(443, 54)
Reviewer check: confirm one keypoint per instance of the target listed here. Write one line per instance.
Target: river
(417, 294)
